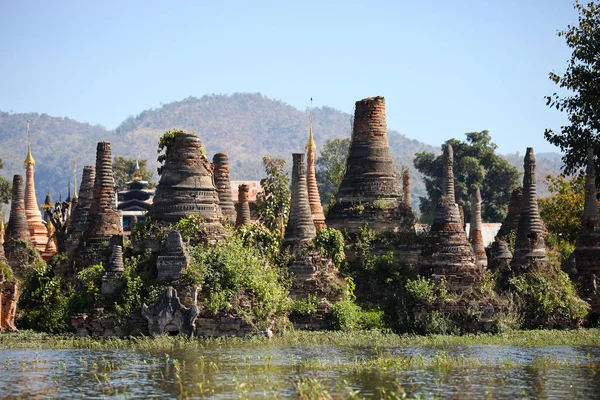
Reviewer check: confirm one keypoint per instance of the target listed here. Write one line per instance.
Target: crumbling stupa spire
(406, 193)
(529, 243)
(300, 228)
(476, 230)
(105, 221)
(223, 185)
(17, 228)
(311, 178)
(37, 229)
(242, 206)
(370, 191)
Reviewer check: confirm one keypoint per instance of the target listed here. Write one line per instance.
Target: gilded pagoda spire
(311, 179)
(37, 229)
(137, 175)
(29, 159)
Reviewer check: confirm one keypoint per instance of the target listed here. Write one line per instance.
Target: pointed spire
(300, 227)
(137, 176)
(74, 180)
(476, 230)
(448, 174)
(590, 210)
(29, 159)
(310, 145)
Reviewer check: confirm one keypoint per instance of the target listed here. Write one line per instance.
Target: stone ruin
(584, 263)
(9, 297)
(370, 191)
(111, 280)
(17, 232)
(476, 231)
(311, 181)
(174, 258)
(448, 254)
(511, 222)
(80, 214)
(500, 256)
(530, 247)
(300, 228)
(168, 316)
(223, 185)
(242, 206)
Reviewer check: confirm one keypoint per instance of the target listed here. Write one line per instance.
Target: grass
(35, 340)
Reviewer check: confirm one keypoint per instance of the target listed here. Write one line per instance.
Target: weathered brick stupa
(111, 278)
(370, 191)
(37, 229)
(406, 193)
(584, 263)
(80, 214)
(511, 222)
(242, 206)
(223, 185)
(300, 228)
(448, 254)
(186, 183)
(529, 244)
(476, 230)
(104, 218)
(500, 256)
(311, 180)
(17, 228)
(174, 258)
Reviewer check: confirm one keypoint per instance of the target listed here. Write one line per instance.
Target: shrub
(330, 242)
(345, 315)
(308, 306)
(425, 290)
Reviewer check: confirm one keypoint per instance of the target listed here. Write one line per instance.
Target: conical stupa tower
(370, 191)
(80, 211)
(105, 221)
(223, 185)
(530, 247)
(242, 206)
(584, 263)
(311, 179)
(448, 254)
(300, 227)
(476, 229)
(17, 228)
(37, 229)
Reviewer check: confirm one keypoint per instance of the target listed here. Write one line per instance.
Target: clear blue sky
(444, 67)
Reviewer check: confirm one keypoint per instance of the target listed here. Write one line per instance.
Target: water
(280, 371)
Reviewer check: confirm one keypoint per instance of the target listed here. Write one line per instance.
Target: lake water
(286, 371)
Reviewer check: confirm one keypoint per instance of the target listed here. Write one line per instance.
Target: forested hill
(247, 126)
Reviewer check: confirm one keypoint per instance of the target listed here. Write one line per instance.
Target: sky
(444, 67)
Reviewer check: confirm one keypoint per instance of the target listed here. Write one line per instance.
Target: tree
(330, 168)
(5, 187)
(123, 169)
(475, 163)
(273, 203)
(562, 212)
(582, 81)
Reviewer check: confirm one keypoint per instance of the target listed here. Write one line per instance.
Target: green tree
(475, 163)
(273, 203)
(330, 168)
(581, 81)
(123, 169)
(5, 187)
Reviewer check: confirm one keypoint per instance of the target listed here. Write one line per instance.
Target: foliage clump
(273, 203)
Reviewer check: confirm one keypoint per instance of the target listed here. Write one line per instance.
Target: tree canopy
(5, 187)
(475, 163)
(581, 80)
(273, 203)
(124, 167)
(330, 168)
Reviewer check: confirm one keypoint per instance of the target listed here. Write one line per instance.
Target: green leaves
(273, 203)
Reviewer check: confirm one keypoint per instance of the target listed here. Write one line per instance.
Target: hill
(247, 126)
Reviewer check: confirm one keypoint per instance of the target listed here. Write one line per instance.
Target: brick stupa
(476, 230)
(311, 180)
(242, 206)
(584, 263)
(105, 222)
(186, 183)
(448, 254)
(530, 247)
(300, 228)
(370, 191)
(511, 222)
(80, 213)
(223, 185)
(37, 229)
(17, 228)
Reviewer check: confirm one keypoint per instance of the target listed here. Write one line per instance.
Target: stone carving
(448, 254)
(529, 243)
(242, 206)
(500, 256)
(17, 228)
(223, 185)
(311, 181)
(37, 229)
(80, 215)
(174, 258)
(584, 263)
(370, 191)
(104, 218)
(186, 183)
(8, 304)
(116, 268)
(476, 231)
(300, 228)
(169, 316)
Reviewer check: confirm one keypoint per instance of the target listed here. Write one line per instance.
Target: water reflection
(500, 372)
